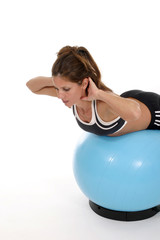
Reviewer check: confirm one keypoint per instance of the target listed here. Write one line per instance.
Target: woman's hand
(92, 91)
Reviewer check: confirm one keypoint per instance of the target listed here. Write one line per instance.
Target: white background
(39, 198)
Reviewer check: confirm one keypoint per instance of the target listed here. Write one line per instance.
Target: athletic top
(97, 125)
(152, 102)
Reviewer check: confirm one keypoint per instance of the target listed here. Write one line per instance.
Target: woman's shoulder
(105, 112)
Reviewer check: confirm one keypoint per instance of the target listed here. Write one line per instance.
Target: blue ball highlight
(120, 173)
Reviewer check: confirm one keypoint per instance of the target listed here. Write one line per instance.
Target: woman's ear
(85, 83)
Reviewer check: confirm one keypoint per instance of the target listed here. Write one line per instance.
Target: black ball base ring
(124, 216)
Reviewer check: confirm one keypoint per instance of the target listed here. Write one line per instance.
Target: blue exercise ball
(120, 173)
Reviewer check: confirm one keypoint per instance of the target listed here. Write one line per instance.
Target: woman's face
(69, 92)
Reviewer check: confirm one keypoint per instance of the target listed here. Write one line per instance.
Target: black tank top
(97, 125)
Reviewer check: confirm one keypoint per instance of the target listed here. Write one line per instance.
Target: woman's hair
(76, 63)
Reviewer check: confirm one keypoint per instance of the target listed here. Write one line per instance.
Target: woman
(76, 80)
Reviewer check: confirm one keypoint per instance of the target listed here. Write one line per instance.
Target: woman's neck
(84, 106)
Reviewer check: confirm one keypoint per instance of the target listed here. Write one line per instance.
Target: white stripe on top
(93, 118)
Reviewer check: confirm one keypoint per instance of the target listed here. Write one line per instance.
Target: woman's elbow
(136, 112)
(29, 85)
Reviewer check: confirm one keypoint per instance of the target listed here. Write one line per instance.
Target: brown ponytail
(76, 63)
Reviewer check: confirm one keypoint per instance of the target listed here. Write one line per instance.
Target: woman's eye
(66, 89)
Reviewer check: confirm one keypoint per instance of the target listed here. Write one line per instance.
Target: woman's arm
(126, 108)
(42, 85)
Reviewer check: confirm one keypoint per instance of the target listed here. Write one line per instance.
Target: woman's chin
(68, 104)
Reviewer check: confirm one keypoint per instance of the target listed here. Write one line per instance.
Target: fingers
(91, 82)
(90, 79)
(86, 98)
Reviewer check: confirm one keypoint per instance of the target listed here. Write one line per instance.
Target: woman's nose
(60, 94)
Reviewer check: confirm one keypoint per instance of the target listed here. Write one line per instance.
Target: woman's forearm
(38, 83)
(127, 108)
